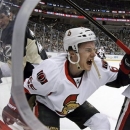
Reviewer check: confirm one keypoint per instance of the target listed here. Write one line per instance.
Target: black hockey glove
(125, 64)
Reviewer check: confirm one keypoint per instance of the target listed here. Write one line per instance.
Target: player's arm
(35, 84)
(123, 77)
(39, 49)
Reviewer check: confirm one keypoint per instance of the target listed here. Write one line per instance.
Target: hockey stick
(17, 65)
(116, 40)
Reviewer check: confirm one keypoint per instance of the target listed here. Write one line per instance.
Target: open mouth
(89, 62)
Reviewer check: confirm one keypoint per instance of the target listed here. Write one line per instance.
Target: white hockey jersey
(59, 91)
(101, 53)
(126, 92)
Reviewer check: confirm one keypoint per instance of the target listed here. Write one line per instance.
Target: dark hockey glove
(10, 114)
(125, 64)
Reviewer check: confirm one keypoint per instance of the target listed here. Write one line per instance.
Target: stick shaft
(103, 29)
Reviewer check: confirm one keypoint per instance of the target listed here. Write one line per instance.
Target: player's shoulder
(97, 59)
(54, 62)
(50, 67)
(60, 59)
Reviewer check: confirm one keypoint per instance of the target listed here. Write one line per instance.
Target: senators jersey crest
(69, 104)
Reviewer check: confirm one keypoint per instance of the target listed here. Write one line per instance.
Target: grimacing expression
(4, 20)
(87, 52)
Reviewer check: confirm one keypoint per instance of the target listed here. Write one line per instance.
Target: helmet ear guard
(72, 61)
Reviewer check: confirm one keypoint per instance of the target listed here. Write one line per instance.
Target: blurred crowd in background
(50, 32)
(50, 36)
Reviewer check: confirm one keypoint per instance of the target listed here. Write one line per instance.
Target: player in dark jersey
(32, 54)
(101, 53)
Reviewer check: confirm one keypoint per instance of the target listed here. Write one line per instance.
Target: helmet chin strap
(77, 62)
(78, 66)
(96, 69)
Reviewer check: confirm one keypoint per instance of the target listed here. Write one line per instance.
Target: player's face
(4, 20)
(87, 52)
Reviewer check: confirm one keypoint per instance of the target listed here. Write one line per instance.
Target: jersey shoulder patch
(41, 77)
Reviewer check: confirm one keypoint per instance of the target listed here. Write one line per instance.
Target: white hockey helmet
(75, 36)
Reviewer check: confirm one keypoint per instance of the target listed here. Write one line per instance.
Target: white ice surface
(107, 100)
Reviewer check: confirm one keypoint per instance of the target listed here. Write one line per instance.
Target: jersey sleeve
(108, 72)
(43, 80)
(112, 76)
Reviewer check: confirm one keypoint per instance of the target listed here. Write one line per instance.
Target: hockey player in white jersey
(101, 53)
(62, 84)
